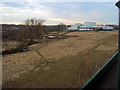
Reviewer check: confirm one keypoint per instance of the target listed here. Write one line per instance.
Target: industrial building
(89, 26)
(75, 26)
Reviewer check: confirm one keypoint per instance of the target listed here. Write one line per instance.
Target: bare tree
(34, 22)
(33, 29)
(61, 27)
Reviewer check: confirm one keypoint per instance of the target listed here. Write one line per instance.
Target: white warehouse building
(107, 27)
(75, 26)
(90, 24)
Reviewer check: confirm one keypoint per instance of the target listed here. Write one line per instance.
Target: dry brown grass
(7, 45)
(62, 63)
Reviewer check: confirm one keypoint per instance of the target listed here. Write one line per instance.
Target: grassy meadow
(60, 63)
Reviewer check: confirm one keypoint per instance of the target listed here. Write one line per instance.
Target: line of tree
(32, 29)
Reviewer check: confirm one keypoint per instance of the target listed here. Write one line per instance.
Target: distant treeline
(32, 29)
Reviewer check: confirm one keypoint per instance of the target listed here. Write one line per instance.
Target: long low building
(89, 28)
(107, 27)
(75, 26)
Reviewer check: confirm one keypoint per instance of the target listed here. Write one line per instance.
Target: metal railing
(100, 75)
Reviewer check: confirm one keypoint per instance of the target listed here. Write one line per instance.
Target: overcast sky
(59, 12)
